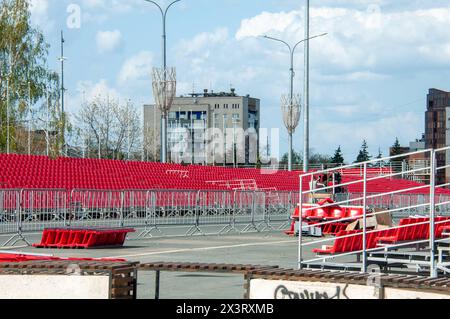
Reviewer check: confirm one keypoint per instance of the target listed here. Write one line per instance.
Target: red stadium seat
(24, 171)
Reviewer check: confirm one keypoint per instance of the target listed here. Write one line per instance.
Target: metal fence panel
(249, 209)
(43, 209)
(215, 208)
(9, 210)
(100, 208)
(175, 207)
(279, 206)
(138, 209)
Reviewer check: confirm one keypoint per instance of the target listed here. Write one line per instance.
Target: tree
(380, 155)
(363, 155)
(109, 129)
(152, 145)
(337, 157)
(24, 76)
(317, 158)
(297, 158)
(396, 148)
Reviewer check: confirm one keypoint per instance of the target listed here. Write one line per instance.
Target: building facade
(207, 128)
(437, 125)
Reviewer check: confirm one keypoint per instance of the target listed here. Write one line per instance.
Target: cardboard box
(380, 221)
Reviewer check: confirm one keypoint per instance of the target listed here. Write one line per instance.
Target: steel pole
(48, 126)
(8, 119)
(163, 115)
(63, 129)
(364, 243)
(291, 105)
(7, 115)
(433, 270)
(29, 118)
(300, 236)
(306, 93)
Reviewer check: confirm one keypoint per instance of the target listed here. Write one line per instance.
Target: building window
(225, 106)
(216, 120)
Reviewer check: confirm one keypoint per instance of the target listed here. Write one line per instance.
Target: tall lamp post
(163, 116)
(306, 94)
(62, 58)
(290, 121)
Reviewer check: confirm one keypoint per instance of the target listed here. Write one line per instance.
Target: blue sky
(369, 76)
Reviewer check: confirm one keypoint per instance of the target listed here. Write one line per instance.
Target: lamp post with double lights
(293, 110)
(164, 56)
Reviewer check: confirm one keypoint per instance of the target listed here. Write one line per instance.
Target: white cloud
(202, 43)
(369, 38)
(109, 41)
(267, 22)
(136, 69)
(40, 15)
(89, 90)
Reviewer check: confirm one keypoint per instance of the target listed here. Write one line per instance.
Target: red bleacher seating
(340, 245)
(24, 171)
(392, 236)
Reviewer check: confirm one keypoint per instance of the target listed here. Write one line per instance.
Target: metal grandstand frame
(364, 256)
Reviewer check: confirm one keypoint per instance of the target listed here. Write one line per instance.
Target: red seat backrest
(320, 212)
(403, 232)
(337, 212)
(307, 210)
(423, 230)
(353, 212)
(339, 243)
(356, 243)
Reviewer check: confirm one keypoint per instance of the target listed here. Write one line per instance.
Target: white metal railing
(428, 204)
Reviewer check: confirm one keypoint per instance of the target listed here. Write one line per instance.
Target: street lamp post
(164, 55)
(292, 75)
(8, 80)
(63, 90)
(306, 94)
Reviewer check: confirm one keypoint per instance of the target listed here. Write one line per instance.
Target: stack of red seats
(326, 211)
(13, 258)
(82, 237)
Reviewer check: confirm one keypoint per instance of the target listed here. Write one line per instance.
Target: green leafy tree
(297, 158)
(338, 158)
(24, 76)
(320, 159)
(363, 154)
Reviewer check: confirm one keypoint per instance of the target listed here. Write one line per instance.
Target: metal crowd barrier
(32, 210)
